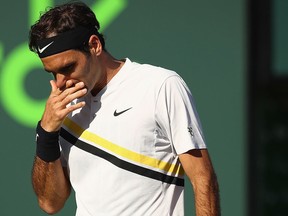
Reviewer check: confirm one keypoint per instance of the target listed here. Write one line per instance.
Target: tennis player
(120, 133)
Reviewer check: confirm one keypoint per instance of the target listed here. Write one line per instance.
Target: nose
(60, 80)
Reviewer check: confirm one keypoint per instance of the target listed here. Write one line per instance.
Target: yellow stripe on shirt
(174, 169)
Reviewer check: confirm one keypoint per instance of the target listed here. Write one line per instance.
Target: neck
(109, 68)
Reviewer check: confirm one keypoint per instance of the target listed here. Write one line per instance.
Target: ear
(95, 45)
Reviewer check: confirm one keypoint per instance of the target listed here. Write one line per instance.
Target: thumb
(53, 85)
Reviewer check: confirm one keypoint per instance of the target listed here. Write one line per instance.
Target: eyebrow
(63, 68)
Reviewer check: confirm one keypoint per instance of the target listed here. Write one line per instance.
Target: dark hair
(63, 18)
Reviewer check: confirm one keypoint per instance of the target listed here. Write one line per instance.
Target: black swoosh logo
(119, 113)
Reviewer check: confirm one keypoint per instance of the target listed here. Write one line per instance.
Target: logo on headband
(72, 39)
(41, 50)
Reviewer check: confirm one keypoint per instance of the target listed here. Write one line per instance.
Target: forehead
(57, 61)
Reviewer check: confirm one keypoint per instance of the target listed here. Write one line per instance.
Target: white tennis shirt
(122, 147)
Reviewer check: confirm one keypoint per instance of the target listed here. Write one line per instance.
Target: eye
(67, 69)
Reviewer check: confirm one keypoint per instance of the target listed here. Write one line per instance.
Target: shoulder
(152, 72)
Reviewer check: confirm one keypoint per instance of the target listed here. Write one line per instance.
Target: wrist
(47, 144)
(47, 126)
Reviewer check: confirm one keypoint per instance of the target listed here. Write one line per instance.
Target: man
(127, 131)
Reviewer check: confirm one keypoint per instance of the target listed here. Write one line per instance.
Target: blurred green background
(204, 41)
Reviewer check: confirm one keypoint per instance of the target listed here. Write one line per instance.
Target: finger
(79, 85)
(73, 107)
(53, 85)
(71, 90)
(69, 83)
(76, 106)
(55, 90)
(70, 97)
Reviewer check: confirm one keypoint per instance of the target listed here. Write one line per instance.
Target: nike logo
(119, 113)
(41, 50)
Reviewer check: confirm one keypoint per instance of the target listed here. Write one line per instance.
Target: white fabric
(160, 122)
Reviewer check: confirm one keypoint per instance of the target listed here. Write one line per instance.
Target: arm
(198, 167)
(49, 178)
(50, 184)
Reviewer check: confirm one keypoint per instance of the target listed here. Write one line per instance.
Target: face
(75, 66)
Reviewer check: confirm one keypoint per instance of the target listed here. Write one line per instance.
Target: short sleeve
(177, 117)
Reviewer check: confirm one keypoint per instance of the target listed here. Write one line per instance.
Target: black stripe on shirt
(119, 162)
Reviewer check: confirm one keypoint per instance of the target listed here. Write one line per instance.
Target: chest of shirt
(125, 117)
